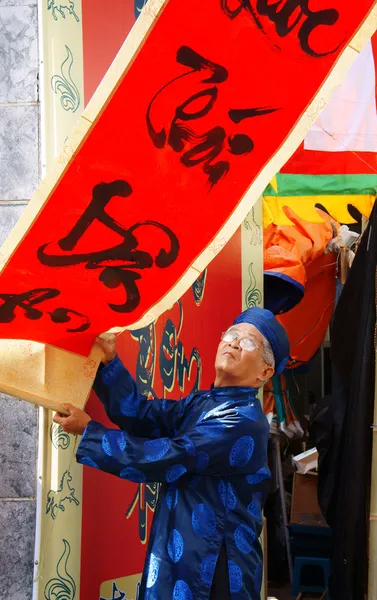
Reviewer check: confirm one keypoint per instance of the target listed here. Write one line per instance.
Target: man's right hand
(107, 343)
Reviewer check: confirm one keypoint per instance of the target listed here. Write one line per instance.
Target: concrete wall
(19, 175)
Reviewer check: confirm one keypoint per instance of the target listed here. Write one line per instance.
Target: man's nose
(235, 343)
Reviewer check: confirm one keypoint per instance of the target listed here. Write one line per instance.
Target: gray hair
(268, 355)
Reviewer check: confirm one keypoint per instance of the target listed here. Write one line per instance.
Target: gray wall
(19, 175)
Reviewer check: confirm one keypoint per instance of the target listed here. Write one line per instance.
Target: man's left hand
(75, 422)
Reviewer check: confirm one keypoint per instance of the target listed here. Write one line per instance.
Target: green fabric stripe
(320, 185)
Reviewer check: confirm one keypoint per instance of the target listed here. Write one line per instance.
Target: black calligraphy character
(27, 302)
(118, 262)
(145, 365)
(207, 147)
(65, 315)
(213, 73)
(174, 364)
(286, 15)
(145, 498)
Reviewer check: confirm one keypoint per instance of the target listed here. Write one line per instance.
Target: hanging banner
(203, 104)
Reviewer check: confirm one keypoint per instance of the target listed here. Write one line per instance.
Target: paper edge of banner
(118, 69)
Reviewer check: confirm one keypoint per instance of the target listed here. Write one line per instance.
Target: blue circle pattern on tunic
(121, 440)
(181, 591)
(86, 460)
(175, 472)
(258, 577)
(235, 577)
(175, 545)
(261, 475)
(128, 406)
(106, 445)
(172, 496)
(189, 445)
(132, 474)
(153, 569)
(113, 442)
(255, 511)
(244, 537)
(207, 568)
(241, 451)
(203, 520)
(156, 449)
(229, 500)
(202, 460)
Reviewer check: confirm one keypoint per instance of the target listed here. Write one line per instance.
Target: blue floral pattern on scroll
(253, 295)
(63, 586)
(198, 287)
(60, 9)
(138, 7)
(65, 86)
(58, 437)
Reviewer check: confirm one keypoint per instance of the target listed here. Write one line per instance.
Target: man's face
(242, 366)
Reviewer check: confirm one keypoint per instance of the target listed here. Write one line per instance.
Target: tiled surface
(9, 215)
(18, 151)
(17, 448)
(18, 53)
(17, 525)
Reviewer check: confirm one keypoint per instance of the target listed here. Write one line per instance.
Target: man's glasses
(246, 343)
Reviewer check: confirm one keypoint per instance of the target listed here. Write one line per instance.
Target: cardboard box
(305, 508)
(306, 461)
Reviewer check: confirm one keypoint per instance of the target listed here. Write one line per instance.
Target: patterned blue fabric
(211, 458)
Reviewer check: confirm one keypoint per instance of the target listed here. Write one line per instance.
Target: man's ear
(266, 374)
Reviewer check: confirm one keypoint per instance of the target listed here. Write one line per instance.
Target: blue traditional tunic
(209, 451)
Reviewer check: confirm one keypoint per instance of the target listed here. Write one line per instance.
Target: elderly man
(208, 450)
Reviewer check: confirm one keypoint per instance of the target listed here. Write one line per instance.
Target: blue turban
(272, 330)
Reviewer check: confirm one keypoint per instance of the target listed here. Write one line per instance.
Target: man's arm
(217, 444)
(124, 405)
(130, 410)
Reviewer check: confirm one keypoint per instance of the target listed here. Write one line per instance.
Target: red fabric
(168, 180)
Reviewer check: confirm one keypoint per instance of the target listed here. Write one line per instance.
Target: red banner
(210, 96)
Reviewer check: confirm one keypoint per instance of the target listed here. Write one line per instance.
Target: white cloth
(350, 116)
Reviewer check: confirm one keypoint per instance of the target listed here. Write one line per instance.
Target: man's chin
(226, 365)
